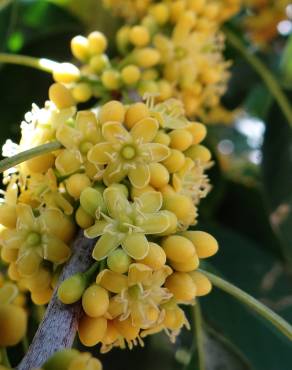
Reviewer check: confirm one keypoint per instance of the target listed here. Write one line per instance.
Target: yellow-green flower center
(85, 146)
(134, 291)
(180, 53)
(33, 239)
(128, 152)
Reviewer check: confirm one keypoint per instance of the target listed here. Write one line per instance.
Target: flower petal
(117, 203)
(105, 245)
(145, 130)
(101, 153)
(115, 132)
(86, 122)
(139, 176)
(112, 281)
(149, 202)
(8, 292)
(68, 136)
(25, 217)
(138, 273)
(154, 223)
(95, 230)
(114, 172)
(28, 262)
(154, 152)
(55, 250)
(136, 245)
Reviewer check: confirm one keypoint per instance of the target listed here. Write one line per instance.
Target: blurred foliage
(248, 211)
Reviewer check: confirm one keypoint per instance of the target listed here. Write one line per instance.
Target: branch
(59, 325)
(7, 163)
(43, 64)
(282, 325)
(267, 76)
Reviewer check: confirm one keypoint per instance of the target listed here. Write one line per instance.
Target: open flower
(127, 223)
(35, 240)
(192, 181)
(77, 140)
(140, 295)
(128, 153)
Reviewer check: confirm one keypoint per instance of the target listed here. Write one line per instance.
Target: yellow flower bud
(97, 42)
(82, 92)
(156, 257)
(162, 138)
(8, 215)
(80, 47)
(112, 111)
(135, 113)
(175, 161)
(199, 152)
(130, 74)
(177, 248)
(165, 90)
(205, 244)
(146, 57)
(181, 206)
(99, 62)
(68, 162)
(173, 223)
(40, 163)
(159, 175)
(61, 96)
(180, 139)
(122, 37)
(150, 74)
(42, 297)
(174, 318)
(160, 13)
(91, 200)
(187, 266)
(181, 285)
(71, 289)
(198, 132)
(91, 330)
(147, 87)
(95, 301)
(39, 281)
(76, 183)
(13, 272)
(13, 323)
(111, 79)
(9, 254)
(119, 261)
(66, 73)
(136, 192)
(202, 283)
(126, 329)
(139, 36)
(83, 219)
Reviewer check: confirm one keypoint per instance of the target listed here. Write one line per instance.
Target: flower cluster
(263, 18)
(175, 49)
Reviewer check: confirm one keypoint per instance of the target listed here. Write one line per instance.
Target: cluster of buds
(174, 50)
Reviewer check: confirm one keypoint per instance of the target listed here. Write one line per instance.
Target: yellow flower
(128, 153)
(77, 140)
(126, 223)
(192, 181)
(142, 294)
(35, 241)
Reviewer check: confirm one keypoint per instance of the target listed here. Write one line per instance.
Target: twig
(43, 64)
(267, 76)
(59, 326)
(7, 163)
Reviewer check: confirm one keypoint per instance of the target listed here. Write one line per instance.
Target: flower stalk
(43, 64)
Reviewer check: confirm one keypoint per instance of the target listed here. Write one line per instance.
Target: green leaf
(277, 177)
(252, 268)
